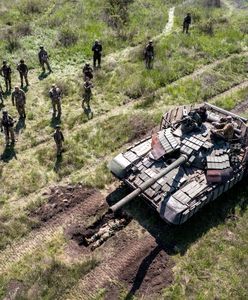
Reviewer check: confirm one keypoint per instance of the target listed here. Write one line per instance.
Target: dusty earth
(60, 199)
(146, 275)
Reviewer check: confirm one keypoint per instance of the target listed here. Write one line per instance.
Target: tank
(193, 159)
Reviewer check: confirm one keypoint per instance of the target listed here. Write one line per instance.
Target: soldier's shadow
(1, 106)
(8, 153)
(25, 88)
(43, 75)
(88, 112)
(55, 121)
(20, 125)
(58, 163)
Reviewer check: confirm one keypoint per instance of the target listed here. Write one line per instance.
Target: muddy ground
(60, 199)
(143, 268)
(145, 276)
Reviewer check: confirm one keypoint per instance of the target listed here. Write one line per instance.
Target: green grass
(90, 145)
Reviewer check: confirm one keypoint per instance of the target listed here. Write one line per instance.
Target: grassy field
(128, 102)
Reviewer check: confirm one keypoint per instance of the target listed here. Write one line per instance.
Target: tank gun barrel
(181, 160)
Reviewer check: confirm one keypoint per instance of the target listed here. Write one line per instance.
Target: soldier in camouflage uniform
(186, 23)
(59, 139)
(7, 125)
(5, 71)
(97, 53)
(87, 71)
(23, 71)
(19, 100)
(44, 59)
(55, 96)
(224, 129)
(87, 93)
(105, 232)
(149, 54)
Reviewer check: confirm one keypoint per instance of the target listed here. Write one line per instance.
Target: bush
(23, 29)
(67, 37)
(12, 41)
(207, 27)
(31, 7)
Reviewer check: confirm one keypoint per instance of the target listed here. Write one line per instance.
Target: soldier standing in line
(7, 125)
(59, 139)
(149, 54)
(186, 23)
(44, 59)
(88, 85)
(97, 49)
(23, 71)
(5, 71)
(19, 100)
(55, 96)
(87, 71)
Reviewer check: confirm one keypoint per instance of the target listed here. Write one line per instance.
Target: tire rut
(110, 269)
(15, 252)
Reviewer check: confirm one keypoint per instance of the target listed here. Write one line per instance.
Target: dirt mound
(60, 199)
(146, 275)
(78, 233)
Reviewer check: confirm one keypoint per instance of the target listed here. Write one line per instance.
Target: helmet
(53, 85)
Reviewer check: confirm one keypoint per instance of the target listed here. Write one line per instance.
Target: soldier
(59, 139)
(23, 71)
(5, 71)
(55, 95)
(87, 71)
(97, 49)
(87, 92)
(149, 54)
(44, 59)
(186, 23)
(7, 124)
(224, 129)
(199, 115)
(19, 100)
(188, 124)
(105, 232)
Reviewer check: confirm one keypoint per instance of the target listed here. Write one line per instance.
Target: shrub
(31, 7)
(23, 29)
(12, 41)
(207, 27)
(67, 37)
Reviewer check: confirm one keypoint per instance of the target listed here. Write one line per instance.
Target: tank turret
(198, 154)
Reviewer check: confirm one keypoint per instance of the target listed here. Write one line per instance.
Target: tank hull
(211, 168)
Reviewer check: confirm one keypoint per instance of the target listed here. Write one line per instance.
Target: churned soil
(61, 199)
(146, 274)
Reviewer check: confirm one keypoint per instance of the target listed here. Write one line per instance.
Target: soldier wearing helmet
(23, 71)
(55, 96)
(7, 126)
(97, 53)
(149, 54)
(59, 139)
(87, 71)
(5, 72)
(44, 59)
(186, 23)
(19, 100)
